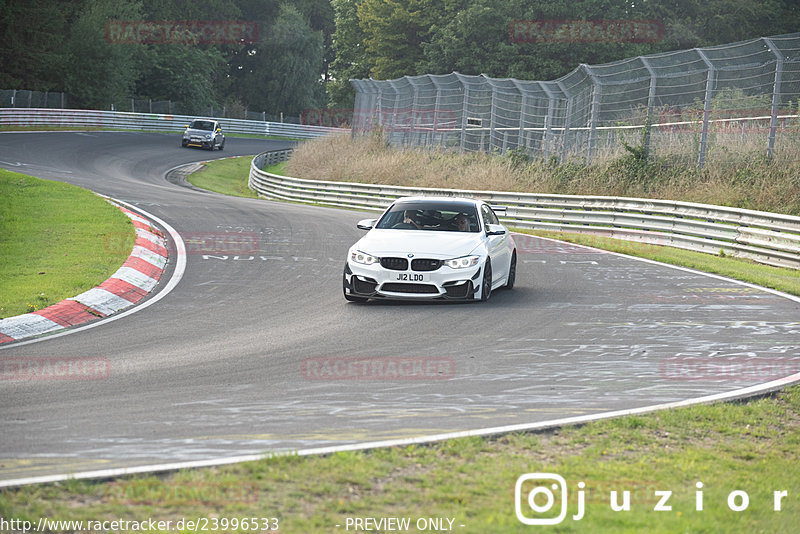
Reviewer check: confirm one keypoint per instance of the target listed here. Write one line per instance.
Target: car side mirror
(366, 224)
(219, 129)
(495, 229)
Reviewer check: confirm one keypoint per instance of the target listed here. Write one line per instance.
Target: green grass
(56, 241)
(227, 176)
(278, 168)
(753, 447)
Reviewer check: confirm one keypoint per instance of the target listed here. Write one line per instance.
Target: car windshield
(431, 215)
(202, 125)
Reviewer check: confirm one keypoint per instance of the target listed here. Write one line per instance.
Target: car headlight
(208, 136)
(364, 258)
(463, 262)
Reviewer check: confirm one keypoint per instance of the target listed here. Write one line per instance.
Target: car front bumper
(198, 141)
(375, 281)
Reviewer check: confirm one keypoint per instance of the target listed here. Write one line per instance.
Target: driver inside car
(409, 217)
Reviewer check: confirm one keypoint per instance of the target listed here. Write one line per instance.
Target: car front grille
(425, 264)
(395, 264)
(409, 288)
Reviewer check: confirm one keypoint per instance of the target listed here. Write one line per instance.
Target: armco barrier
(79, 118)
(768, 238)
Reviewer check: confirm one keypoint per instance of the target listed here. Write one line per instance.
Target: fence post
(567, 117)
(436, 112)
(413, 135)
(492, 118)
(701, 158)
(776, 95)
(594, 112)
(522, 106)
(548, 119)
(651, 96)
(463, 141)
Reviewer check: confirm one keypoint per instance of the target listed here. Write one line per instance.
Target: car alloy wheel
(512, 271)
(486, 289)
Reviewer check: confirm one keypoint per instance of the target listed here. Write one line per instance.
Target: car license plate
(411, 277)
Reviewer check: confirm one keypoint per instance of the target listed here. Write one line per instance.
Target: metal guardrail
(151, 122)
(769, 238)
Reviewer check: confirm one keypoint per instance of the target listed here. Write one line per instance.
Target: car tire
(486, 281)
(222, 146)
(512, 271)
(184, 143)
(348, 297)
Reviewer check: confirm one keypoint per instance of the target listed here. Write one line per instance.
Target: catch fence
(690, 104)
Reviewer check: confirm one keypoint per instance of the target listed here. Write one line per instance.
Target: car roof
(439, 200)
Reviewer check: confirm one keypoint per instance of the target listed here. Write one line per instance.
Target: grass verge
(750, 447)
(56, 241)
(742, 178)
(227, 176)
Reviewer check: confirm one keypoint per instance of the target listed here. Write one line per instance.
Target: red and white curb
(137, 277)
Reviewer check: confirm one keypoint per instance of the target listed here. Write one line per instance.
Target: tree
(282, 72)
(351, 59)
(97, 73)
(31, 53)
(394, 32)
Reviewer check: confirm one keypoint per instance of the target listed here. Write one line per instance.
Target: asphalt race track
(250, 351)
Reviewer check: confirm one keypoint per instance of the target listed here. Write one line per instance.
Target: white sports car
(431, 248)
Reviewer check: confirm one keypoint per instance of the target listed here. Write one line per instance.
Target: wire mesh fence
(689, 105)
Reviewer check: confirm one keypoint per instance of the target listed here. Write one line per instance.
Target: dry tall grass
(739, 178)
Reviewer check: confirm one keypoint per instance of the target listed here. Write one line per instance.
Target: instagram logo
(538, 493)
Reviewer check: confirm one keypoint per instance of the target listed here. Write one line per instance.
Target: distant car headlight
(463, 262)
(208, 136)
(363, 258)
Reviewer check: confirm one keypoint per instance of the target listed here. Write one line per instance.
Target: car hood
(432, 244)
(192, 131)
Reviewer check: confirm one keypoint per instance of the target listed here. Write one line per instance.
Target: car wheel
(486, 283)
(348, 297)
(222, 146)
(512, 271)
(184, 143)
